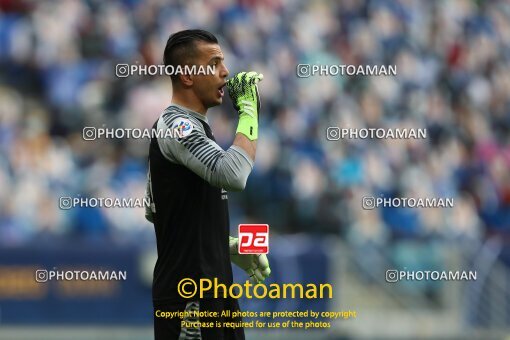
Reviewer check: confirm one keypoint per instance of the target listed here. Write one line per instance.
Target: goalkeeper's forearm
(249, 146)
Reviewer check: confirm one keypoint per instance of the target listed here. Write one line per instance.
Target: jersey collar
(191, 112)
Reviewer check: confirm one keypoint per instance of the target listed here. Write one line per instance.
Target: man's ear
(186, 79)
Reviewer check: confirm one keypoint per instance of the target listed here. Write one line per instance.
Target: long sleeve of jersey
(223, 169)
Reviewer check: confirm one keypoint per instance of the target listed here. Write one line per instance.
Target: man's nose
(224, 72)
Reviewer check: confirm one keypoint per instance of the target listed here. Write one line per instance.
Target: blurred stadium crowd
(57, 75)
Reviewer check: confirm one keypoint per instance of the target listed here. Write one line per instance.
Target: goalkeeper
(188, 180)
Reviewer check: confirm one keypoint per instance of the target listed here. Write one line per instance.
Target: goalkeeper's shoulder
(177, 119)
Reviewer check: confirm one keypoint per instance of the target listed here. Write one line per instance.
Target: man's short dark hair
(181, 47)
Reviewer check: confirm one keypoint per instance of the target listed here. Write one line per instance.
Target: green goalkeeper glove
(255, 265)
(244, 93)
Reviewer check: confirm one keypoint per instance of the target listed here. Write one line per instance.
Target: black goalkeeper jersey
(190, 207)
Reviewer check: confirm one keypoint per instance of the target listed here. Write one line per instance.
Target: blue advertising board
(26, 300)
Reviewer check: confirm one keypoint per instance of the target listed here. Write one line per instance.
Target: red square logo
(253, 238)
